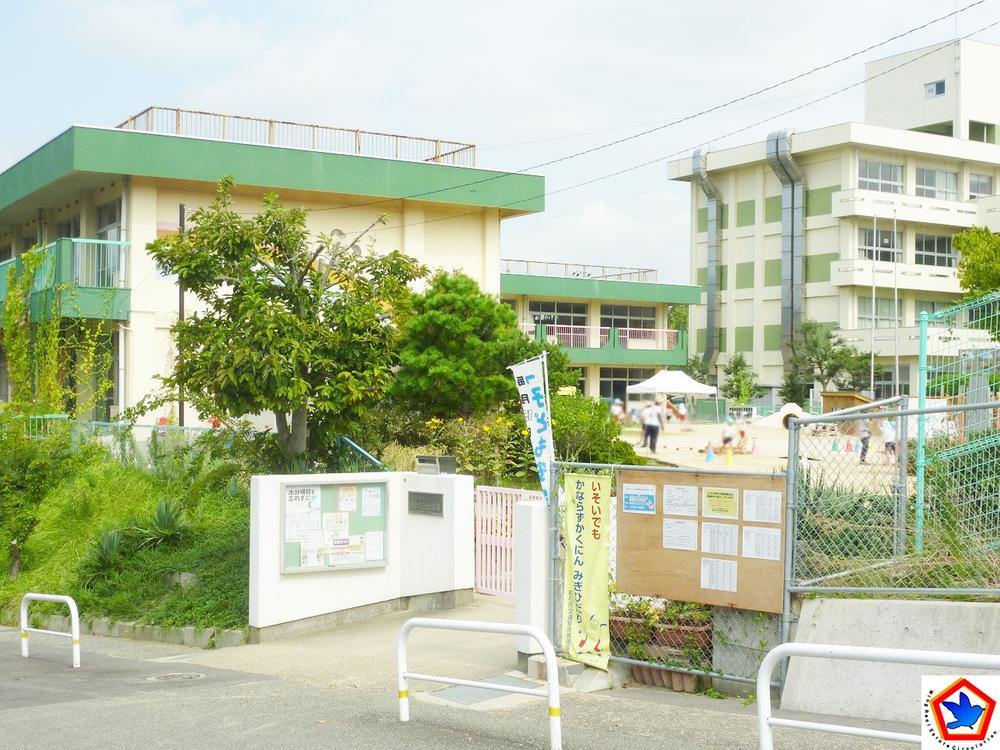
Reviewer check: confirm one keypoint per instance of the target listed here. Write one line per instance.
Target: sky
(528, 82)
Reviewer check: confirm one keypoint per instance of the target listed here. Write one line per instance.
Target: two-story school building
(93, 197)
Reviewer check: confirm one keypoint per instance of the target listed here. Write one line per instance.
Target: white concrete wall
(424, 554)
(896, 98)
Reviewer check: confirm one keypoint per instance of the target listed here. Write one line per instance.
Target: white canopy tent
(673, 382)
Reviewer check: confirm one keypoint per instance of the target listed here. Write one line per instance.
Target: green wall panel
(743, 339)
(772, 208)
(820, 200)
(702, 277)
(772, 338)
(817, 267)
(699, 340)
(772, 272)
(745, 213)
(701, 220)
(744, 275)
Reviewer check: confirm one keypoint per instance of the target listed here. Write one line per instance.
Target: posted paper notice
(374, 546)
(718, 575)
(302, 512)
(720, 502)
(680, 500)
(720, 538)
(371, 501)
(639, 498)
(680, 534)
(761, 543)
(310, 556)
(761, 506)
(347, 499)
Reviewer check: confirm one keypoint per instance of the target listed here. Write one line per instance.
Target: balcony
(939, 339)
(921, 278)
(239, 129)
(77, 278)
(611, 345)
(911, 208)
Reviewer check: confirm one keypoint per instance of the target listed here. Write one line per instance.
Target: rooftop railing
(240, 129)
(576, 270)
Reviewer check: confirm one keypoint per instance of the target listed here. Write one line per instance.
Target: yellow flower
(486, 428)
(459, 420)
(525, 433)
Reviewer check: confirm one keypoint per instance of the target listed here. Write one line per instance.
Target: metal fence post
(902, 489)
(918, 522)
(791, 502)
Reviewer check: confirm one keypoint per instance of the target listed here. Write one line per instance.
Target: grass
(72, 550)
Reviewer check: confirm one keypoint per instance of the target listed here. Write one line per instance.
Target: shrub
(166, 526)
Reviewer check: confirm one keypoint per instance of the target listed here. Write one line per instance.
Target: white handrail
(852, 653)
(551, 669)
(74, 619)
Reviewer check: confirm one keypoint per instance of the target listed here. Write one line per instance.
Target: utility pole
(180, 311)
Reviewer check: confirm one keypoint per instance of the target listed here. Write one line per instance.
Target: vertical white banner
(531, 377)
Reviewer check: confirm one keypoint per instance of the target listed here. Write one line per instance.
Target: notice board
(710, 538)
(328, 526)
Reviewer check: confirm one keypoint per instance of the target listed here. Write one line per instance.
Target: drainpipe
(779, 157)
(699, 173)
(124, 270)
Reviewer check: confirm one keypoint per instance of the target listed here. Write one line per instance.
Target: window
(512, 304)
(935, 88)
(69, 228)
(980, 185)
(883, 176)
(984, 132)
(931, 306)
(628, 316)
(937, 183)
(6, 253)
(885, 383)
(28, 242)
(559, 313)
(614, 381)
(935, 250)
(108, 221)
(883, 313)
(889, 244)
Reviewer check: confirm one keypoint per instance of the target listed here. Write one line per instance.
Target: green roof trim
(124, 152)
(576, 288)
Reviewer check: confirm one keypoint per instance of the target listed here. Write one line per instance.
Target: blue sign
(639, 498)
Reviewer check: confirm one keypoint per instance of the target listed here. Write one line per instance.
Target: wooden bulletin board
(328, 526)
(710, 538)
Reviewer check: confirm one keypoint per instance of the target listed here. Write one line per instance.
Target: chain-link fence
(682, 645)
(860, 524)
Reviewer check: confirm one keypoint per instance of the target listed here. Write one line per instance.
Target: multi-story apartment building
(805, 225)
(94, 197)
(613, 322)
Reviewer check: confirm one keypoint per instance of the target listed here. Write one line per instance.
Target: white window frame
(880, 176)
(883, 316)
(941, 255)
(562, 312)
(977, 183)
(635, 316)
(937, 183)
(889, 253)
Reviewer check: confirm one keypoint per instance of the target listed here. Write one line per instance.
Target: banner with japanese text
(586, 603)
(531, 377)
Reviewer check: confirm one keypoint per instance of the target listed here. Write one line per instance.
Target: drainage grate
(176, 677)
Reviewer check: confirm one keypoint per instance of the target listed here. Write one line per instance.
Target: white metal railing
(551, 690)
(765, 719)
(100, 263)
(576, 270)
(240, 129)
(593, 337)
(74, 618)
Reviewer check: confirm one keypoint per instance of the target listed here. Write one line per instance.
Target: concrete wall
(424, 554)
(888, 692)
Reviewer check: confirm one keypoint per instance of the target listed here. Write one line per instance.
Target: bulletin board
(333, 526)
(711, 538)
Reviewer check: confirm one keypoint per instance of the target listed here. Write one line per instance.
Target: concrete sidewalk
(338, 688)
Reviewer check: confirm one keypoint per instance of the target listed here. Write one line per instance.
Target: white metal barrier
(74, 618)
(551, 669)
(852, 653)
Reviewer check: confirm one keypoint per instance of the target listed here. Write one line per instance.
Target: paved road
(282, 695)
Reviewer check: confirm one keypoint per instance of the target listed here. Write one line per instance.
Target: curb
(205, 638)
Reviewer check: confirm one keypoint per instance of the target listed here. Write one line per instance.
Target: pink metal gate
(495, 538)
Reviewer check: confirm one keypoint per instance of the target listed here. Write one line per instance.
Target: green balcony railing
(81, 278)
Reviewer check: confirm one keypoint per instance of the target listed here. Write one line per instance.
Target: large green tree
(304, 327)
(978, 260)
(820, 355)
(457, 346)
